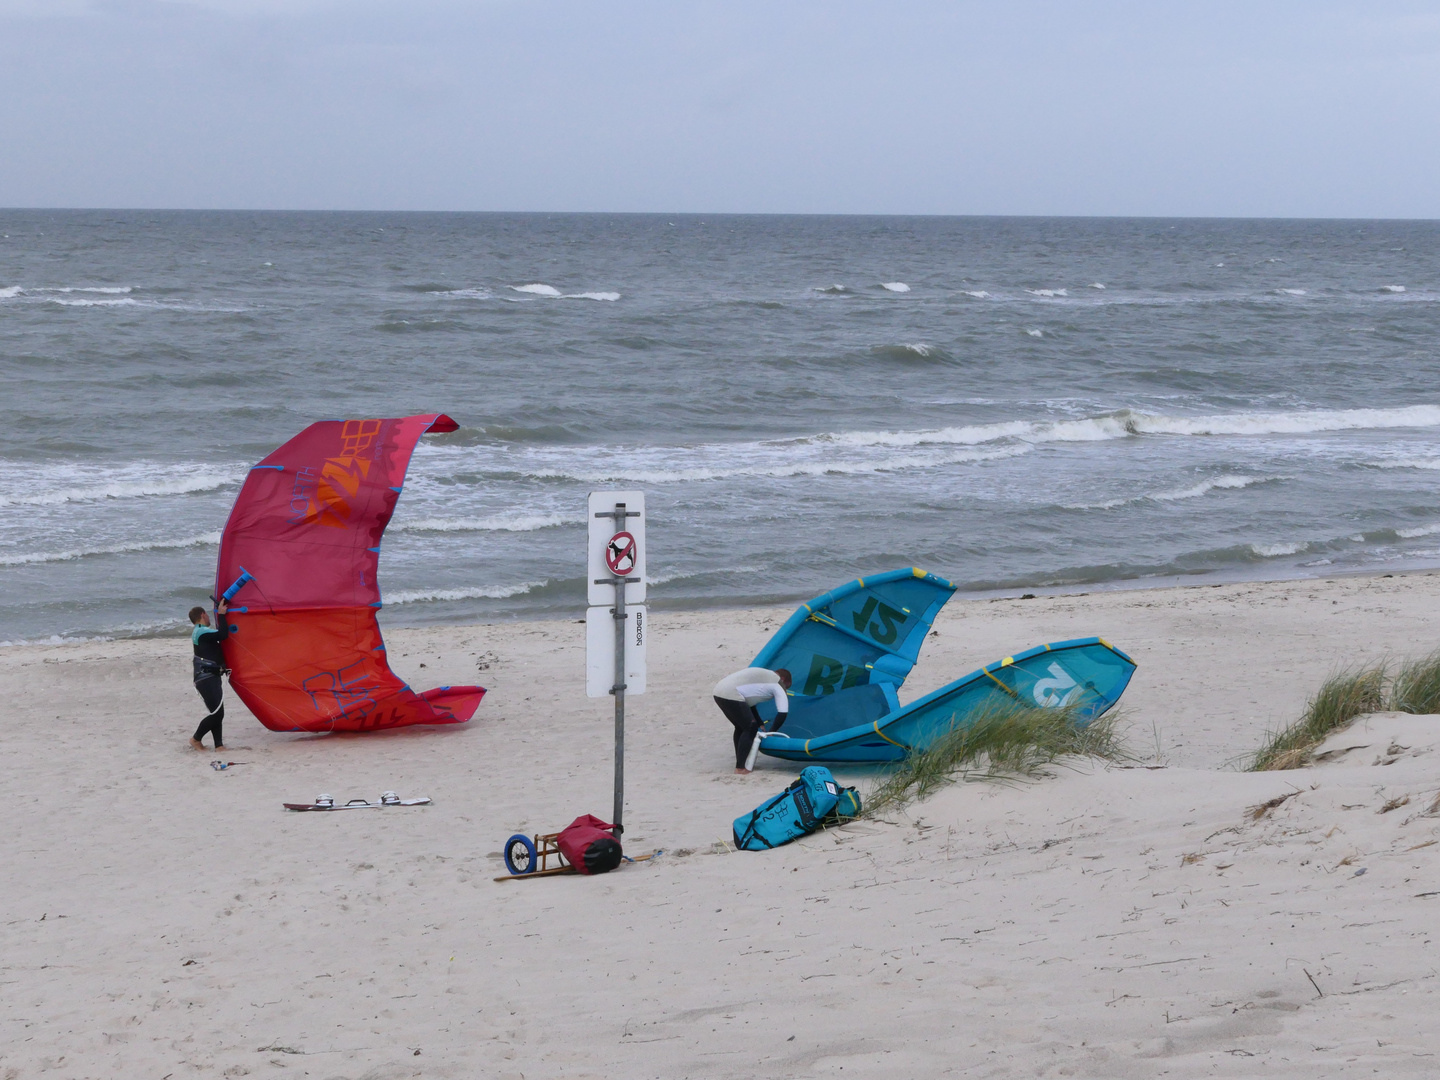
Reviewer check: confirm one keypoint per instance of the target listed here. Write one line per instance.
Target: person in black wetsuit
(209, 667)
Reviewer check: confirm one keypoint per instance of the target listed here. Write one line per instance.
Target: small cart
(526, 855)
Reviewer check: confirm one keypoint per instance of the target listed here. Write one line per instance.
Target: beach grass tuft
(1004, 739)
(1348, 693)
(1416, 686)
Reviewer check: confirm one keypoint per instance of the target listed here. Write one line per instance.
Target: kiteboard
(324, 802)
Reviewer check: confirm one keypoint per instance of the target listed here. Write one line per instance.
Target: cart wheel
(520, 854)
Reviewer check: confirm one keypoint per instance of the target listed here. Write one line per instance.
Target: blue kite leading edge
(850, 650)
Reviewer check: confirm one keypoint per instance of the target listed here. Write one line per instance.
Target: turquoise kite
(850, 650)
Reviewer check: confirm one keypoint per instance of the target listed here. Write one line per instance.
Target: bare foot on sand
(219, 748)
(738, 772)
(196, 744)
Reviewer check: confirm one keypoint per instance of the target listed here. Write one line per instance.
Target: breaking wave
(29, 558)
(1272, 551)
(1218, 483)
(1409, 463)
(749, 460)
(1392, 288)
(479, 592)
(911, 351)
(463, 294)
(494, 523)
(1420, 530)
(125, 489)
(895, 286)
(1286, 423)
(1050, 292)
(538, 289)
(1227, 482)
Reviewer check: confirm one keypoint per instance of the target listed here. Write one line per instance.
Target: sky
(1266, 108)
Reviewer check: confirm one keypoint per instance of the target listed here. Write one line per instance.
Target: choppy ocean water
(1011, 403)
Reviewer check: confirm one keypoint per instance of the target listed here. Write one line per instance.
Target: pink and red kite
(306, 653)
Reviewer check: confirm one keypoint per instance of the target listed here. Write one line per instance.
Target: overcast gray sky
(1285, 108)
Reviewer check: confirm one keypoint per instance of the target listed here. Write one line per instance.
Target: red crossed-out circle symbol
(620, 554)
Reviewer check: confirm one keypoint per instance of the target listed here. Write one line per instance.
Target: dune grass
(1348, 693)
(1416, 685)
(1005, 739)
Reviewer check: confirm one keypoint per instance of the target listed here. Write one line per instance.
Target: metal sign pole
(619, 579)
(619, 690)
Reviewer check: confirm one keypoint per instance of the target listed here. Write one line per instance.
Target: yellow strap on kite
(887, 738)
(1002, 686)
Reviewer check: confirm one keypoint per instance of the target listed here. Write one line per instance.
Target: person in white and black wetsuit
(209, 667)
(738, 694)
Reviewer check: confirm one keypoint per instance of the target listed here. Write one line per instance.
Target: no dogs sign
(620, 554)
(616, 547)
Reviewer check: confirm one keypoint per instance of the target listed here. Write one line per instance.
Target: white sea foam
(1125, 423)
(1050, 292)
(10, 292)
(919, 348)
(1228, 482)
(895, 286)
(836, 288)
(1218, 483)
(466, 294)
(1392, 288)
(1291, 292)
(1035, 333)
(1278, 423)
(1271, 551)
(112, 290)
(1421, 530)
(864, 452)
(553, 293)
(493, 523)
(124, 484)
(1096, 285)
(677, 470)
(479, 592)
(664, 578)
(1410, 463)
(28, 558)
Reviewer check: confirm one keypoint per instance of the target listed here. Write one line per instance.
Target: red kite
(305, 652)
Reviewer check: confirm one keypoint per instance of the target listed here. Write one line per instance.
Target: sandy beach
(162, 919)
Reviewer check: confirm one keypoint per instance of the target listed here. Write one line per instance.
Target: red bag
(587, 845)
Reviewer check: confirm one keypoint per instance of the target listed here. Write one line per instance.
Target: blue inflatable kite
(850, 650)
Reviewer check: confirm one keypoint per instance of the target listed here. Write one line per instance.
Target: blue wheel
(520, 857)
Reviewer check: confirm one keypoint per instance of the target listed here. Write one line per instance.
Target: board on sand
(388, 799)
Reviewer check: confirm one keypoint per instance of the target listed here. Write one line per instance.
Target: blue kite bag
(796, 811)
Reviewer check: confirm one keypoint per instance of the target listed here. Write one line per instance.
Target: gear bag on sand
(588, 846)
(796, 811)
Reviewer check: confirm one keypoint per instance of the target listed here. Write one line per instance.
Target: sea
(1016, 404)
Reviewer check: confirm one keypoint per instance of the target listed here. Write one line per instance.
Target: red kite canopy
(305, 651)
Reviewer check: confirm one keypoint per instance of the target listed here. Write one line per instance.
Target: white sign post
(615, 622)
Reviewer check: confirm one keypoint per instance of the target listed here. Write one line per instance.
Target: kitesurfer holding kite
(738, 694)
(209, 667)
